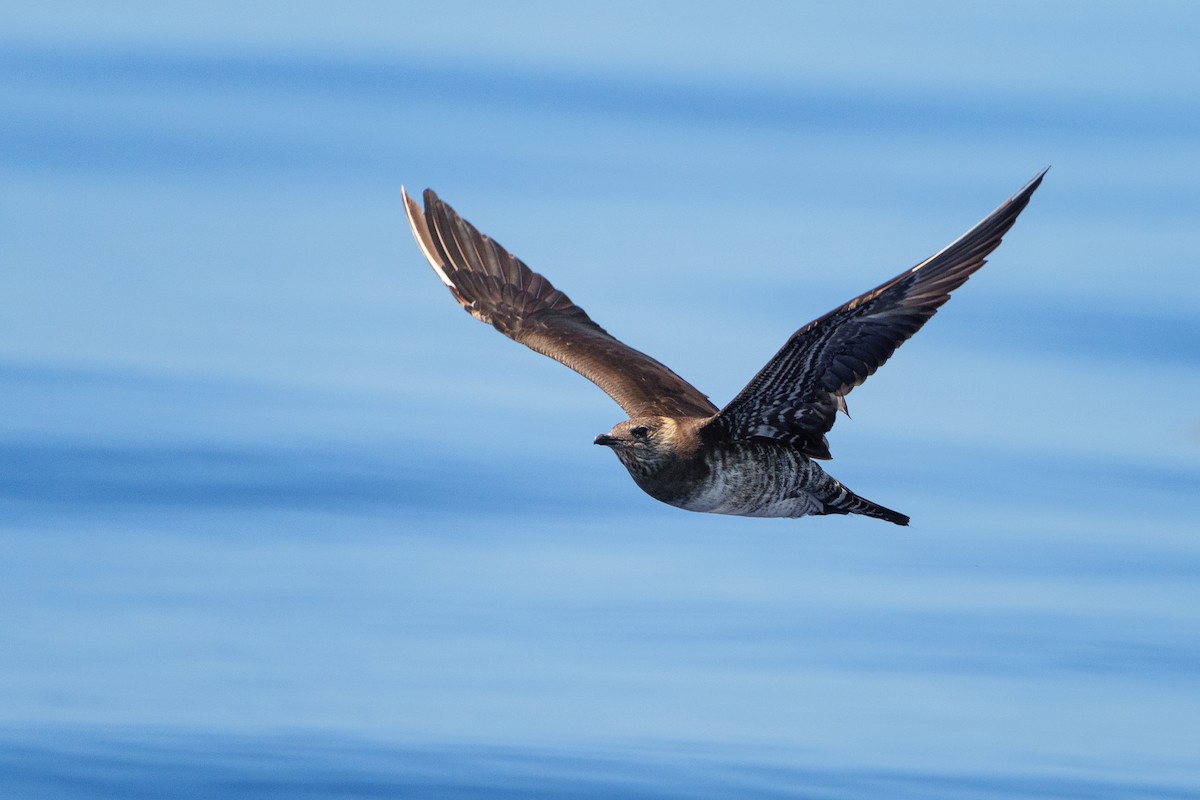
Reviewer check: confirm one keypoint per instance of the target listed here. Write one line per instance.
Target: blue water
(278, 520)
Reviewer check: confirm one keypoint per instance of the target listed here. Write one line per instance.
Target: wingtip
(1016, 204)
(1030, 187)
(420, 231)
(411, 209)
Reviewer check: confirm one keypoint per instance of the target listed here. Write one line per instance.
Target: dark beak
(606, 440)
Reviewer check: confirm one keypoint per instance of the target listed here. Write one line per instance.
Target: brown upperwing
(497, 288)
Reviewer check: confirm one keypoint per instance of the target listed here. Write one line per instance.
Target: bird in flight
(755, 457)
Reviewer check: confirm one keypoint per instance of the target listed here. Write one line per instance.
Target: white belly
(749, 485)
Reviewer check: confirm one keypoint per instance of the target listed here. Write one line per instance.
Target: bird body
(754, 457)
(673, 463)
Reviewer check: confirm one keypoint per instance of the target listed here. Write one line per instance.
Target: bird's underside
(754, 457)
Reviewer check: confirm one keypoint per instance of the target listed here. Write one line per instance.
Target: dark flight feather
(796, 396)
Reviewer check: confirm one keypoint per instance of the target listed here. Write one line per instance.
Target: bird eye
(640, 432)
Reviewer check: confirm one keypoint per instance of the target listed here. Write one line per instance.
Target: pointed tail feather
(847, 502)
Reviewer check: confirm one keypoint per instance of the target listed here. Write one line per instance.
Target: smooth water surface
(278, 520)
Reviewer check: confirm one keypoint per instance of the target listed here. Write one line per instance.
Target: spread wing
(497, 288)
(796, 396)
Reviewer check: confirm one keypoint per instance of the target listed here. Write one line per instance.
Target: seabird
(754, 457)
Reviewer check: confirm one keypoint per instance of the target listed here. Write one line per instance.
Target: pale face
(642, 441)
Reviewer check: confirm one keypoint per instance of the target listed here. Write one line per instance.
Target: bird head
(646, 442)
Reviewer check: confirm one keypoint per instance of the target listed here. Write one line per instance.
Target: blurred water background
(278, 520)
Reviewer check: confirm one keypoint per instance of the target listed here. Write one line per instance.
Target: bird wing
(497, 288)
(796, 396)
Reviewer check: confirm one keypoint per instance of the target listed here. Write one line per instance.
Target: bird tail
(847, 502)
